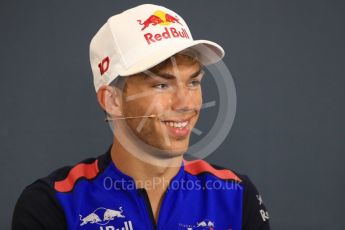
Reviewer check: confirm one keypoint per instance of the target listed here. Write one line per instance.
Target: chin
(169, 151)
(176, 149)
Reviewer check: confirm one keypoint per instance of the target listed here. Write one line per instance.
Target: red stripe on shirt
(81, 170)
(199, 166)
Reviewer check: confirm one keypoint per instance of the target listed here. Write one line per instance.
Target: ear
(110, 100)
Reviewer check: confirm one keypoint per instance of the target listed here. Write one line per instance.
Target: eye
(161, 86)
(194, 83)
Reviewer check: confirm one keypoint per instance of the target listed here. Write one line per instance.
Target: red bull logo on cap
(159, 18)
(163, 19)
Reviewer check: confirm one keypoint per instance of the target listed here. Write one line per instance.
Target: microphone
(122, 118)
(197, 107)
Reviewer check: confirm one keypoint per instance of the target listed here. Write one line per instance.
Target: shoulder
(64, 179)
(38, 207)
(254, 212)
(202, 167)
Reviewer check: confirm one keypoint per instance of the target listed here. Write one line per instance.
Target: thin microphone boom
(153, 115)
(122, 118)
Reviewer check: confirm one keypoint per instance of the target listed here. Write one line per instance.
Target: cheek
(199, 96)
(147, 105)
(161, 104)
(196, 98)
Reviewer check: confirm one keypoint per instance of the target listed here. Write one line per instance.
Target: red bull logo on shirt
(102, 216)
(202, 225)
(162, 19)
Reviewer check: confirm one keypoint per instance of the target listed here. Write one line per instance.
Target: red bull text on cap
(172, 32)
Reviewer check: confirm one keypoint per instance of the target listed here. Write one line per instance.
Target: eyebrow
(169, 76)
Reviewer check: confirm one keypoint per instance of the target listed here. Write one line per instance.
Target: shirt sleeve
(37, 208)
(255, 215)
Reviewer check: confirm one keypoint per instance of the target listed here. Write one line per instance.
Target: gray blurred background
(287, 59)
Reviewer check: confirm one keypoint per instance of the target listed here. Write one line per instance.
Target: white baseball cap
(140, 38)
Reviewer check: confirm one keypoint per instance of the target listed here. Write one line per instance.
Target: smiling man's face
(172, 91)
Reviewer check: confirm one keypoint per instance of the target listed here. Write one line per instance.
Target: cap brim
(207, 53)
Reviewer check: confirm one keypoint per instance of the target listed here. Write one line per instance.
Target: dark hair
(119, 82)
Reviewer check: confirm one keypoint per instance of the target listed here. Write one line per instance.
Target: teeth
(179, 124)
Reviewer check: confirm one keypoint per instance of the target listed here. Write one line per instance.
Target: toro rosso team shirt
(94, 194)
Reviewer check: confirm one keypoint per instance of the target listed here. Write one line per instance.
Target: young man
(147, 72)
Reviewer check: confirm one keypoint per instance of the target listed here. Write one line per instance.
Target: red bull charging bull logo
(202, 225)
(102, 216)
(162, 19)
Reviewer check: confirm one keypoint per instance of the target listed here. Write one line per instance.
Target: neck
(148, 169)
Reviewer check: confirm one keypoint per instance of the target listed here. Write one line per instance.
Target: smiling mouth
(178, 128)
(177, 124)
